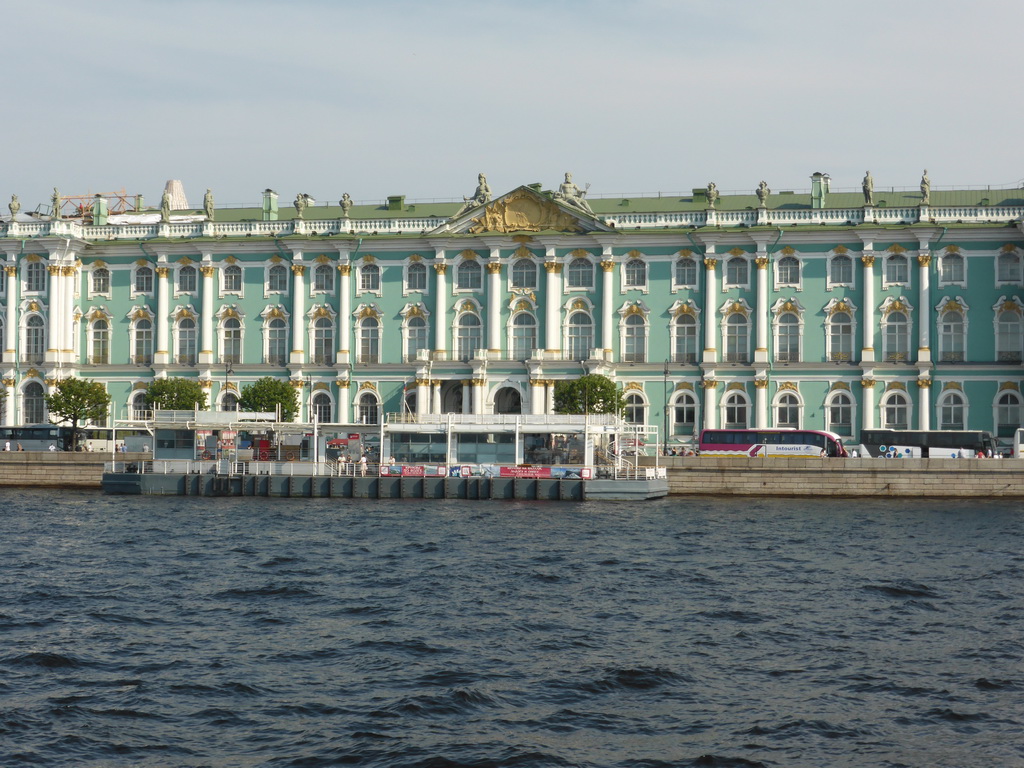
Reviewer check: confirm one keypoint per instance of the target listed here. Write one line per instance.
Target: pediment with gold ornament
(525, 210)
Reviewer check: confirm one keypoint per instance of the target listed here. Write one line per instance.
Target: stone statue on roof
(712, 194)
(301, 201)
(55, 204)
(208, 205)
(481, 195)
(165, 207)
(570, 194)
(762, 192)
(346, 204)
(14, 206)
(868, 185)
(926, 188)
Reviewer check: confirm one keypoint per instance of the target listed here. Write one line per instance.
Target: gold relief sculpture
(896, 306)
(184, 261)
(368, 385)
(11, 271)
(230, 260)
(761, 262)
(737, 252)
(321, 312)
(9, 382)
(522, 239)
(522, 252)
(34, 257)
(1008, 248)
(868, 260)
(297, 383)
(206, 383)
(736, 386)
(53, 270)
(320, 385)
(924, 259)
(736, 307)
(68, 271)
(684, 309)
(415, 258)
(323, 258)
(522, 306)
(469, 255)
(634, 310)
(440, 268)
(1009, 385)
(684, 385)
(607, 265)
(840, 385)
(524, 211)
(787, 251)
(710, 263)
(896, 248)
(230, 386)
(840, 250)
(494, 268)
(952, 385)
(789, 306)
(552, 267)
(634, 254)
(51, 382)
(98, 263)
(228, 312)
(839, 306)
(686, 253)
(275, 313)
(788, 385)
(414, 311)
(139, 385)
(952, 249)
(924, 383)
(32, 373)
(345, 269)
(298, 270)
(896, 385)
(579, 304)
(867, 383)
(184, 313)
(760, 383)
(275, 259)
(208, 271)
(709, 383)
(367, 312)
(33, 306)
(163, 271)
(951, 306)
(140, 314)
(343, 383)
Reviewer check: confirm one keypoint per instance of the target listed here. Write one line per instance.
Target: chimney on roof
(396, 202)
(269, 205)
(819, 188)
(99, 211)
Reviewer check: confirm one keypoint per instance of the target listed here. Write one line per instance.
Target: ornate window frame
(837, 253)
(685, 255)
(779, 283)
(892, 306)
(421, 266)
(948, 255)
(782, 307)
(628, 272)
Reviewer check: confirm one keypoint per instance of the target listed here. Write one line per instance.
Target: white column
(710, 404)
(70, 279)
(552, 296)
(344, 412)
(761, 317)
(298, 355)
(345, 314)
(537, 397)
(607, 302)
(53, 305)
(11, 341)
(868, 351)
(162, 311)
(924, 406)
(761, 404)
(440, 310)
(924, 310)
(435, 396)
(710, 297)
(9, 416)
(868, 387)
(494, 303)
(549, 397)
(206, 350)
(467, 397)
(422, 396)
(478, 395)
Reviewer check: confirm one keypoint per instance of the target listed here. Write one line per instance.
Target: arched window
(787, 271)
(187, 280)
(736, 271)
(839, 413)
(634, 339)
(951, 268)
(1007, 414)
(636, 409)
(101, 280)
(277, 342)
(1008, 268)
(840, 337)
(951, 337)
(323, 279)
(367, 410)
(233, 278)
(468, 335)
(896, 411)
(322, 410)
(580, 336)
(684, 344)
(369, 340)
(142, 343)
(508, 400)
(99, 352)
(951, 411)
(580, 273)
(896, 337)
(787, 411)
(684, 413)
(229, 401)
(34, 403)
(524, 274)
(736, 408)
(323, 340)
(186, 341)
(524, 336)
(231, 344)
(1008, 337)
(416, 337)
(137, 408)
(636, 273)
(143, 280)
(369, 277)
(35, 340)
(277, 278)
(416, 277)
(469, 276)
(896, 269)
(736, 338)
(841, 270)
(686, 271)
(787, 345)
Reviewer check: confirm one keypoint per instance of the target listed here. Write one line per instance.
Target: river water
(138, 631)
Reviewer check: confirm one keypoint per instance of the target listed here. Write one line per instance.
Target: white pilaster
(53, 301)
(761, 352)
(422, 396)
(344, 402)
(345, 314)
(69, 277)
(924, 321)
(537, 397)
(440, 310)
(206, 350)
(868, 387)
(11, 328)
(924, 406)
(494, 303)
(710, 404)
(161, 356)
(607, 301)
(298, 355)
(552, 295)
(867, 353)
(761, 404)
(710, 297)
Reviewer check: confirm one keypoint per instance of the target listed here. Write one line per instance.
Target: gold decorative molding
(951, 306)
(469, 255)
(185, 261)
(298, 269)
(227, 312)
(275, 313)
(345, 269)
(635, 254)
(685, 253)
(139, 385)
(323, 258)
(840, 385)
(185, 313)
(633, 385)
(684, 309)
(321, 312)
(230, 260)
(11, 271)
(343, 383)
(924, 259)
(522, 252)
(710, 263)
(163, 272)
(208, 271)
(34, 306)
(440, 268)
(229, 387)
(684, 385)
(1010, 306)
(952, 249)
(789, 306)
(10, 382)
(761, 262)
(578, 304)
(736, 386)
(53, 270)
(607, 265)
(142, 313)
(414, 311)
(366, 312)
(368, 385)
(709, 383)
(521, 306)
(275, 259)
(1009, 386)
(297, 383)
(867, 382)
(414, 258)
(1008, 248)
(760, 383)
(895, 385)
(924, 383)
(896, 248)
(788, 385)
(522, 239)
(787, 250)
(840, 250)
(633, 309)
(523, 211)
(737, 252)
(206, 383)
(954, 385)
(552, 267)
(868, 260)
(839, 306)
(493, 268)
(320, 386)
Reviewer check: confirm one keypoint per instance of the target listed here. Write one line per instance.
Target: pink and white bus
(757, 443)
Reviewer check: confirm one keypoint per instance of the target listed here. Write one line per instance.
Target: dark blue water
(192, 632)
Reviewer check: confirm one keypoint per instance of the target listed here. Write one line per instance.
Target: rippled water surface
(142, 631)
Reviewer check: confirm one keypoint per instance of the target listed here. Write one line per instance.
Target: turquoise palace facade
(842, 311)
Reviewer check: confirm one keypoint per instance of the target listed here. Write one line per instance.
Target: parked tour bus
(770, 442)
(39, 437)
(927, 444)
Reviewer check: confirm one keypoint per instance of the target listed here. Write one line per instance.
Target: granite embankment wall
(696, 475)
(687, 476)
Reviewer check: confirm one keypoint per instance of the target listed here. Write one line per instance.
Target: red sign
(533, 472)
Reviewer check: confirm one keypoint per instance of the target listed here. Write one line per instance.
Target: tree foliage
(76, 401)
(591, 393)
(267, 394)
(176, 394)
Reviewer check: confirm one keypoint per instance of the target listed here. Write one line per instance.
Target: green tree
(176, 394)
(591, 393)
(267, 394)
(77, 400)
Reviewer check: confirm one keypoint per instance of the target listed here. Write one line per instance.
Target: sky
(388, 97)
